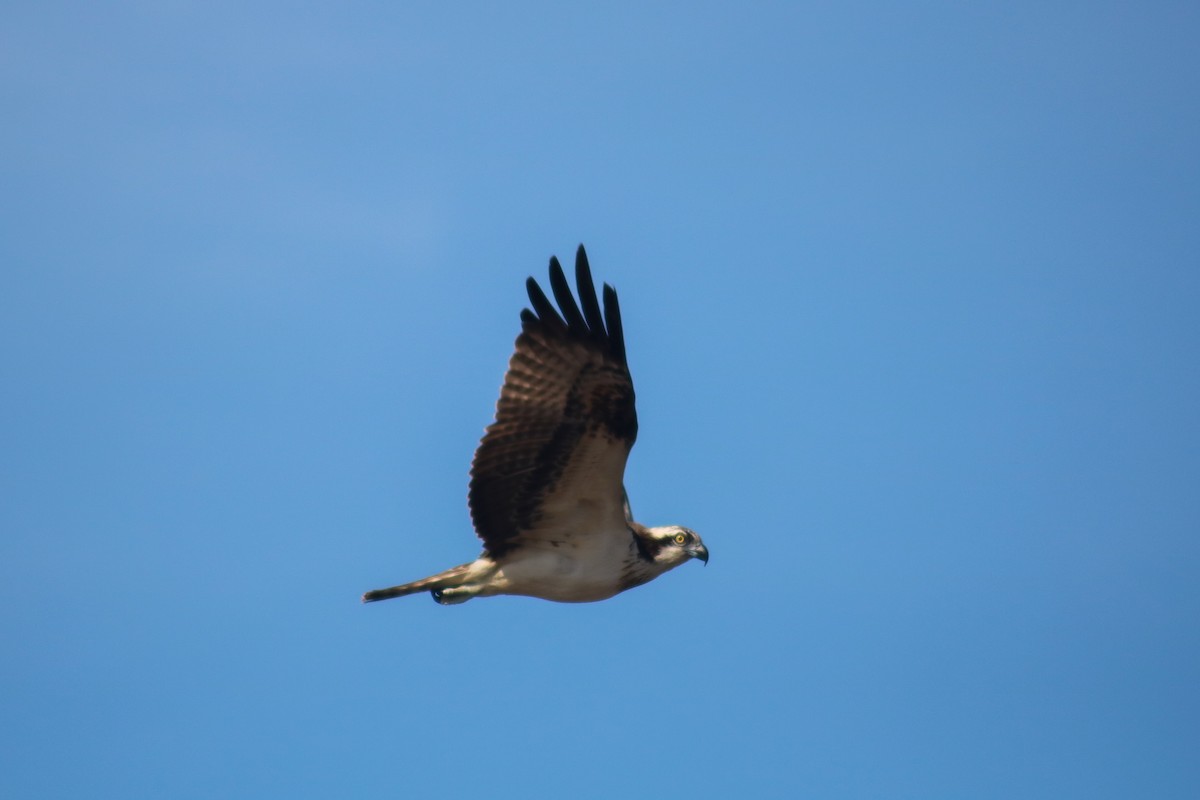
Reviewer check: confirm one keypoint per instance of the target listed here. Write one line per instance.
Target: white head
(671, 545)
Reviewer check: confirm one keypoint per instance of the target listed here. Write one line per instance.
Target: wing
(554, 458)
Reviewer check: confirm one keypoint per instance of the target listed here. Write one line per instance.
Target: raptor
(547, 495)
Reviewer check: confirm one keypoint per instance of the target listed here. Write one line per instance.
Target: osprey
(546, 493)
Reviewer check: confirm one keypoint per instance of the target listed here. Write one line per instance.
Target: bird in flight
(547, 495)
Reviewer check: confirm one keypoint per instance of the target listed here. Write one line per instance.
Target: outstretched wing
(554, 458)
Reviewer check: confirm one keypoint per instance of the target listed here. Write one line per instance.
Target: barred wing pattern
(565, 421)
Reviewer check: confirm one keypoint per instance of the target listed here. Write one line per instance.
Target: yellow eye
(680, 538)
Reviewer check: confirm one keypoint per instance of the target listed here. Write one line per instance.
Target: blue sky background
(911, 296)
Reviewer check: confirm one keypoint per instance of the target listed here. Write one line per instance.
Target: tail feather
(443, 580)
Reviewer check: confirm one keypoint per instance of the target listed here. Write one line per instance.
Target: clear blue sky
(911, 296)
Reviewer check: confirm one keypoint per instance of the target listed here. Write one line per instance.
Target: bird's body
(546, 494)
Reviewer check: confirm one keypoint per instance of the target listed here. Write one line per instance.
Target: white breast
(580, 568)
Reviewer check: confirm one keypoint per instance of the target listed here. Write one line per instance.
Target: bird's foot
(452, 597)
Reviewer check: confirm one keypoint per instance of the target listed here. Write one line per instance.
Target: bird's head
(677, 544)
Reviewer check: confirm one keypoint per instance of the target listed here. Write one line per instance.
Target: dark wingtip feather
(541, 304)
(587, 294)
(602, 326)
(566, 301)
(612, 316)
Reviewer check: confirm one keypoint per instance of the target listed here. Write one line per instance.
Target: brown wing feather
(565, 421)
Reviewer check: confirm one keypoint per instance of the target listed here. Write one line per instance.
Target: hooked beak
(699, 551)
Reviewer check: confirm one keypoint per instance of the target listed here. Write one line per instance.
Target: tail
(443, 580)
